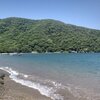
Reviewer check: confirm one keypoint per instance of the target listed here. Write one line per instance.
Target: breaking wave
(49, 91)
(49, 88)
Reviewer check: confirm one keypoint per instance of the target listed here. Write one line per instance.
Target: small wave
(49, 88)
(43, 89)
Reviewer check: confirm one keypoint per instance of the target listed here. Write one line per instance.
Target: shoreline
(11, 90)
(19, 54)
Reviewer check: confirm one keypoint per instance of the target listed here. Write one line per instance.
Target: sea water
(78, 74)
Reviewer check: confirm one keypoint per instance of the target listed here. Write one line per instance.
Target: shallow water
(51, 73)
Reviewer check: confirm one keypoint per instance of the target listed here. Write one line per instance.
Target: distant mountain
(26, 35)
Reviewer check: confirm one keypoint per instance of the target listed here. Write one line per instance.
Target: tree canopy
(48, 35)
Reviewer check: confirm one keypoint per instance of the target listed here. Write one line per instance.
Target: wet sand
(14, 91)
(10, 90)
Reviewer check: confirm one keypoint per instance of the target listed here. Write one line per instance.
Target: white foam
(43, 89)
(49, 91)
(26, 76)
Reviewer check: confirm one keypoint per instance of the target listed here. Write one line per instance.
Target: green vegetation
(25, 35)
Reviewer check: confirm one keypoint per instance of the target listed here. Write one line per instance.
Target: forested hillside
(25, 35)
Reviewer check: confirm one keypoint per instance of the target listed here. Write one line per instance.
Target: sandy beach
(14, 91)
(10, 90)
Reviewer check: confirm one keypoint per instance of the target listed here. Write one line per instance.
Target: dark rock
(2, 79)
(2, 82)
(2, 76)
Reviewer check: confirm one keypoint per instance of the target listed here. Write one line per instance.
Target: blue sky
(79, 12)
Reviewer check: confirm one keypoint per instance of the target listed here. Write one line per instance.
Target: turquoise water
(78, 73)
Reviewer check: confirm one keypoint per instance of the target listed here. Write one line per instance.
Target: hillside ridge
(47, 35)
